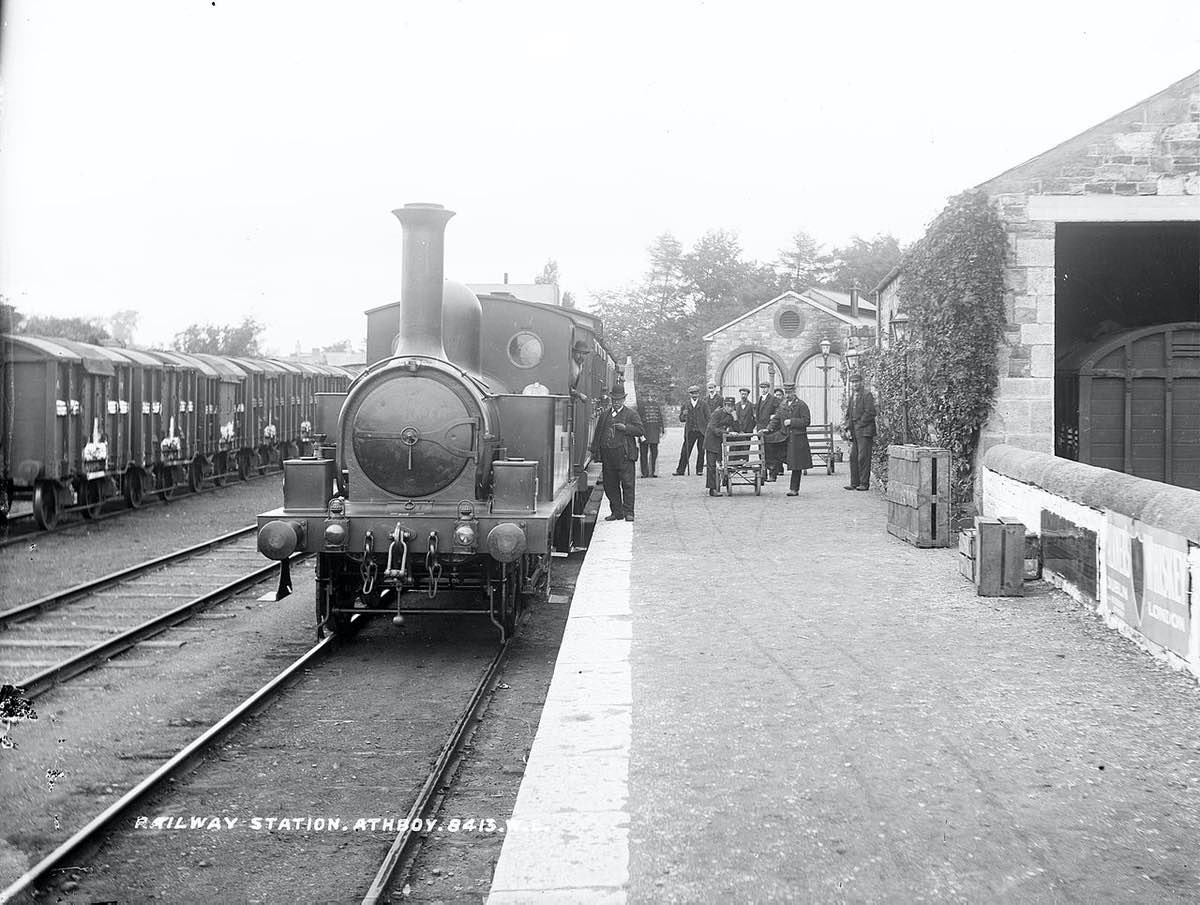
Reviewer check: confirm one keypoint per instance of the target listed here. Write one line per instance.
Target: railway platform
(769, 698)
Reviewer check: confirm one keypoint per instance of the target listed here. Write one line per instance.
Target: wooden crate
(999, 557)
(966, 554)
(918, 495)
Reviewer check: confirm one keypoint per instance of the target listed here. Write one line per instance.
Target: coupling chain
(369, 570)
(433, 565)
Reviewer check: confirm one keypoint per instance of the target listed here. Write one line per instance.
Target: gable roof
(826, 300)
(1127, 154)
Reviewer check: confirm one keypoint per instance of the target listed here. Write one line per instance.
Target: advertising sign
(1146, 573)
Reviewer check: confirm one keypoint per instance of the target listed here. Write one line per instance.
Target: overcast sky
(199, 161)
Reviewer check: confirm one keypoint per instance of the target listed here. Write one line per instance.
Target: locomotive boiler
(455, 466)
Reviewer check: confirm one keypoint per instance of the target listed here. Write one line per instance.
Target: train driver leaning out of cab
(615, 445)
(720, 422)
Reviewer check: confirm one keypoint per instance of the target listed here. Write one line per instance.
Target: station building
(780, 342)
(1102, 362)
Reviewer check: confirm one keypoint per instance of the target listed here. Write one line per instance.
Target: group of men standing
(778, 416)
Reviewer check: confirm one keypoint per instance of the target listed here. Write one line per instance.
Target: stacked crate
(918, 495)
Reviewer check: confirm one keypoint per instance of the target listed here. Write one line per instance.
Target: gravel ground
(102, 732)
(88, 550)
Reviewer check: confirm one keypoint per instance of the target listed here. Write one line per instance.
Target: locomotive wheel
(133, 490)
(243, 465)
(45, 504)
(195, 475)
(92, 498)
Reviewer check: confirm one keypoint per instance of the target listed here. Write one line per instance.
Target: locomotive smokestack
(421, 282)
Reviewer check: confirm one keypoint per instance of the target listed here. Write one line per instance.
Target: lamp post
(899, 329)
(825, 366)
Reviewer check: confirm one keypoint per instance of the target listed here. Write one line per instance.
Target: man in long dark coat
(860, 425)
(650, 410)
(794, 419)
(615, 445)
(694, 416)
(774, 441)
(719, 422)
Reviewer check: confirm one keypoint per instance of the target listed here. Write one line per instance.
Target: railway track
(20, 528)
(249, 754)
(49, 640)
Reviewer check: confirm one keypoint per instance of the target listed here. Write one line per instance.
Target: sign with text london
(1146, 574)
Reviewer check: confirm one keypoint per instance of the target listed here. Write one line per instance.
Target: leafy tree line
(685, 294)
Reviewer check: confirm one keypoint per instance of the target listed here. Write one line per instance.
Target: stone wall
(759, 333)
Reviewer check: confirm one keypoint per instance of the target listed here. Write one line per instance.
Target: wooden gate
(1139, 403)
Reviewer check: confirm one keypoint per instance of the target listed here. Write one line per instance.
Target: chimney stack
(854, 293)
(421, 289)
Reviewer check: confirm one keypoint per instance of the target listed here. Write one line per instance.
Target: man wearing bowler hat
(615, 445)
(694, 416)
(860, 428)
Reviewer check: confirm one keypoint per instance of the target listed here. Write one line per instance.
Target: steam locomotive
(456, 465)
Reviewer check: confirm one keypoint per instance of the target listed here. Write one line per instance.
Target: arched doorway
(748, 370)
(825, 400)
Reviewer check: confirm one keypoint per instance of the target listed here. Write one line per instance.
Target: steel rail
(403, 841)
(43, 681)
(50, 601)
(176, 766)
(180, 494)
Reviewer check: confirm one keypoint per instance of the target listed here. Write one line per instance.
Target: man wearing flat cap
(693, 414)
(719, 422)
(765, 407)
(743, 410)
(615, 445)
(860, 427)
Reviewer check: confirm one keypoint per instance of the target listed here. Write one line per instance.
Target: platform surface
(771, 699)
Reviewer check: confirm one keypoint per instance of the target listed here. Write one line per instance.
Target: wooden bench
(821, 442)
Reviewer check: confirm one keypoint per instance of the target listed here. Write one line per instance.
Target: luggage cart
(821, 443)
(741, 462)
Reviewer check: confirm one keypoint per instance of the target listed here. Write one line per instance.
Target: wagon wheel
(220, 468)
(132, 486)
(243, 464)
(45, 504)
(264, 459)
(166, 482)
(195, 475)
(93, 499)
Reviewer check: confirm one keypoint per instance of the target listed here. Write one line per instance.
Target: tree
(865, 262)
(121, 325)
(10, 317)
(74, 328)
(227, 340)
(713, 273)
(800, 261)
(549, 273)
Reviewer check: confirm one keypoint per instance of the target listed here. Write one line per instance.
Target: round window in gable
(789, 323)
(525, 349)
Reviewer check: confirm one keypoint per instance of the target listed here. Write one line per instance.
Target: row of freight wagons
(80, 424)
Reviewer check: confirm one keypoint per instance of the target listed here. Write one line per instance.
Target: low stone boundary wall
(1124, 545)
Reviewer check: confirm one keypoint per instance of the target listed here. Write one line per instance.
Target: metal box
(308, 483)
(514, 486)
(999, 557)
(325, 422)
